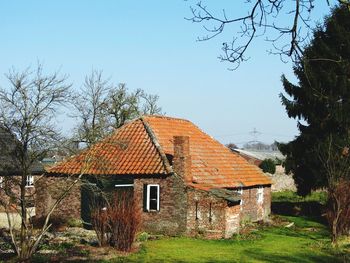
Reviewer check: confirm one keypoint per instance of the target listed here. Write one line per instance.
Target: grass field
(306, 239)
(290, 196)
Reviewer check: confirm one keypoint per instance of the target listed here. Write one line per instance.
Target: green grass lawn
(306, 241)
(290, 196)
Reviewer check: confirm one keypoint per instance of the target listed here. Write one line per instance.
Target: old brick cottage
(186, 181)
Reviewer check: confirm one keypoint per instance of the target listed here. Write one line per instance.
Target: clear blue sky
(149, 45)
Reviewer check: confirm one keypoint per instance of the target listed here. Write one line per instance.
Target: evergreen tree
(321, 99)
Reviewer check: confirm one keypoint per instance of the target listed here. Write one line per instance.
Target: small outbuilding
(185, 181)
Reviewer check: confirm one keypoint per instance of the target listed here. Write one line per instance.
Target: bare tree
(122, 105)
(102, 107)
(264, 18)
(90, 106)
(28, 108)
(335, 158)
(150, 104)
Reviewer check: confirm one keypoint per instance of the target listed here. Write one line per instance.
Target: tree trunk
(23, 214)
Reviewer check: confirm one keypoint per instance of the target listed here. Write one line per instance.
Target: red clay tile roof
(213, 164)
(129, 150)
(141, 146)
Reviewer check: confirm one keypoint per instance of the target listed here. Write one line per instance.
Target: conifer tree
(320, 101)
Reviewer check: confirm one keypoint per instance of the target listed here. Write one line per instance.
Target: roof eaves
(226, 194)
(154, 140)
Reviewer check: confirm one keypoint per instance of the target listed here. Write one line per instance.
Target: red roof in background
(141, 146)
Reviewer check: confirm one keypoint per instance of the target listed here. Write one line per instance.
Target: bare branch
(265, 17)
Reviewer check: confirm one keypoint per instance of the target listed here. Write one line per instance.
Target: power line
(250, 133)
(255, 133)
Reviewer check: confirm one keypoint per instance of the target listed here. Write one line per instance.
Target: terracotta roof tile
(129, 150)
(140, 147)
(212, 163)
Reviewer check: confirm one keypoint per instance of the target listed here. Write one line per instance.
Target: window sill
(152, 211)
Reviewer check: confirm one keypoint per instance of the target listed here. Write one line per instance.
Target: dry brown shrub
(338, 208)
(100, 223)
(117, 224)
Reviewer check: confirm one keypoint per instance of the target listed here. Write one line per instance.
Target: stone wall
(232, 221)
(282, 181)
(210, 216)
(49, 189)
(171, 217)
(250, 208)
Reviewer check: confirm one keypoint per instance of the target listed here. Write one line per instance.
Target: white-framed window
(30, 181)
(123, 185)
(239, 190)
(1, 181)
(152, 197)
(260, 194)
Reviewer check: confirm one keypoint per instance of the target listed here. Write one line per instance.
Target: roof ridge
(156, 143)
(164, 117)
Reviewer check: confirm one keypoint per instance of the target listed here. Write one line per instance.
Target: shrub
(338, 209)
(124, 221)
(144, 236)
(73, 222)
(100, 223)
(116, 225)
(268, 166)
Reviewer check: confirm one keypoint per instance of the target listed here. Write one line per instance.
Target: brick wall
(251, 209)
(12, 183)
(48, 189)
(267, 202)
(210, 216)
(171, 218)
(182, 160)
(214, 218)
(232, 220)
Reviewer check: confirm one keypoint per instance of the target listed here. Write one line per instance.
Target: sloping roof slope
(213, 164)
(141, 147)
(129, 150)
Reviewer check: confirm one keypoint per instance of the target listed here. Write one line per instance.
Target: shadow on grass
(7, 256)
(260, 255)
(314, 235)
(311, 209)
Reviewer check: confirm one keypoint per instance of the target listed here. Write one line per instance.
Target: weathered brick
(171, 218)
(251, 209)
(49, 189)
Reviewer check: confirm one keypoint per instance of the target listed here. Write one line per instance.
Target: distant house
(184, 180)
(10, 174)
(257, 156)
(8, 144)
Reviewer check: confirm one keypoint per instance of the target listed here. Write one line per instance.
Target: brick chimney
(182, 159)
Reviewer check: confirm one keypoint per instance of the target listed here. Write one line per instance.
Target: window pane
(30, 180)
(153, 204)
(153, 192)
